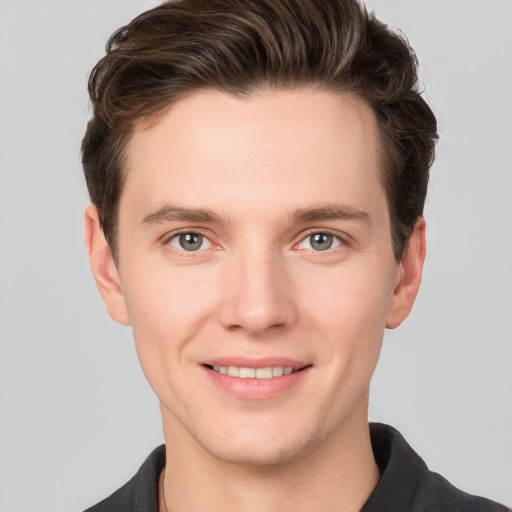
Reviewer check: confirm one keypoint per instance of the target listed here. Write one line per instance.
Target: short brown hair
(241, 46)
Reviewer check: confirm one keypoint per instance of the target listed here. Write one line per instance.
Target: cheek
(167, 310)
(349, 312)
(350, 298)
(159, 297)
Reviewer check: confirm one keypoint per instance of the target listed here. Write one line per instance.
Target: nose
(258, 294)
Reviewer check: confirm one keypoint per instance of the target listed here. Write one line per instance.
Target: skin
(269, 170)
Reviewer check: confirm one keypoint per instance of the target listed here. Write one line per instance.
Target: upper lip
(265, 362)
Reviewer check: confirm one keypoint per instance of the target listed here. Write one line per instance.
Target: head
(242, 47)
(258, 169)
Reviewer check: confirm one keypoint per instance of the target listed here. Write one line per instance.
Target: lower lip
(257, 389)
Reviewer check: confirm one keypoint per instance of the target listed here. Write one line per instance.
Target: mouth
(244, 372)
(256, 380)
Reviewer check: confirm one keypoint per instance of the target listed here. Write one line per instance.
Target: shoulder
(140, 493)
(407, 484)
(439, 494)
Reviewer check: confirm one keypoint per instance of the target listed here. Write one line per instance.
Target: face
(256, 268)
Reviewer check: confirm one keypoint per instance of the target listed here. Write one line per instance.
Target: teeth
(254, 373)
(278, 371)
(264, 373)
(247, 373)
(233, 371)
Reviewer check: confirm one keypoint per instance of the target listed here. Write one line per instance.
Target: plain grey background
(78, 418)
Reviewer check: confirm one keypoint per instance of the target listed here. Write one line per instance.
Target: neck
(339, 473)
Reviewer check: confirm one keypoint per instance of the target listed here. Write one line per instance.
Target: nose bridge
(257, 294)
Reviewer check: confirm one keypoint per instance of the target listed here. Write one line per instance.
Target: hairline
(146, 121)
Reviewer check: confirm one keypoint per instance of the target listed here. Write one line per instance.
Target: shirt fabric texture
(406, 484)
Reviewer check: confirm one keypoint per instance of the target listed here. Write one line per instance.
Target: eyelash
(337, 238)
(176, 236)
(341, 242)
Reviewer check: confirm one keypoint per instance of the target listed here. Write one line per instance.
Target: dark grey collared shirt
(406, 484)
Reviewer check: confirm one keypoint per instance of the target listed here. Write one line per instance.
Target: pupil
(191, 241)
(321, 241)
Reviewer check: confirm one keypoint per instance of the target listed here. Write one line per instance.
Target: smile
(261, 379)
(243, 372)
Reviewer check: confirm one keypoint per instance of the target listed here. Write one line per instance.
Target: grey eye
(321, 241)
(189, 241)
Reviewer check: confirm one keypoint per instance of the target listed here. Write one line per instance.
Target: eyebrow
(330, 212)
(173, 213)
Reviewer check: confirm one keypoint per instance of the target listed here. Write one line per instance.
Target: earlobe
(411, 268)
(103, 267)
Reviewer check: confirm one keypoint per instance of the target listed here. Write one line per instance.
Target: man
(258, 172)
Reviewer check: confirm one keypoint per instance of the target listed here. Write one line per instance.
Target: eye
(190, 242)
(320, 241)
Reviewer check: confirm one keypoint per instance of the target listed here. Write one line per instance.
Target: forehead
(287, 147)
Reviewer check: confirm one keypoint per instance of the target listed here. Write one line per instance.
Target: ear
(103, 267)
(409, 277)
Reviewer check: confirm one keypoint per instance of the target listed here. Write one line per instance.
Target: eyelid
(168, 237)
(341, 237)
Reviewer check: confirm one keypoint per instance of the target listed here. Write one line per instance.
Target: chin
(258, 456)
(261, 449)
